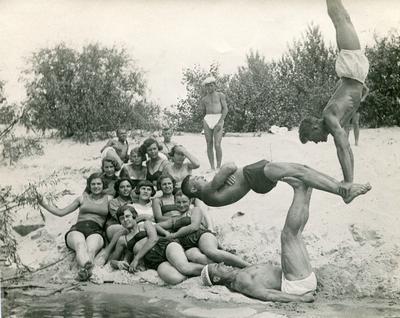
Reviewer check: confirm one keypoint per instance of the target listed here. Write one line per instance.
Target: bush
(15, 148)
(79, 93)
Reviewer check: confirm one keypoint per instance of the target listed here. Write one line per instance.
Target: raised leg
(277, 171)
(170, 274)
(76, 241)
(294, 257)
(208, 244)
(346, 35)
(196, 256)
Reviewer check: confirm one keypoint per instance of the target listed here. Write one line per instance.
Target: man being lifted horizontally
(352, 68)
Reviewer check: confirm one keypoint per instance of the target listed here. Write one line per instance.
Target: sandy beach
(355, 248)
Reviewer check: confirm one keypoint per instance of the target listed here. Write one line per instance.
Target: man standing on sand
(231, 183)
(215, 110)
(352, 68)
(295, 281)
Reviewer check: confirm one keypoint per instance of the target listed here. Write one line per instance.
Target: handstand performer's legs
(276, 171)
(346, 35)
(294, 258)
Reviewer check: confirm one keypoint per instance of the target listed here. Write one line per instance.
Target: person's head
(109, 167)
(209, 84)
(95, 184)
(151, 147)
(167, 134)
(127, 215)
(122, 134)
(177, 154)
(191, 186)
(182, 202)
(123, 187)
(312, 129)
(166, 183)
(217, 274)
(145, 190)
(136, 157)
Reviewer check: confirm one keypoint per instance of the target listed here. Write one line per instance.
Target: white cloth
(299, 287)
(352, 64)
(212, 119)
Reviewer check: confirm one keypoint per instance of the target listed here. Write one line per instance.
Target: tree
(382, 106)
(79, 93)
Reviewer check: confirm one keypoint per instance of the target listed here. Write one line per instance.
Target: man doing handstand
(231, 183)
(352, 68)
(295, 281)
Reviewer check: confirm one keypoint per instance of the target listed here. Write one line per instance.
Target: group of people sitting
(154, 214)
(139, 218)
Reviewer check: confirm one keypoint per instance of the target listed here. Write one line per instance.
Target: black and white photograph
(200, 159)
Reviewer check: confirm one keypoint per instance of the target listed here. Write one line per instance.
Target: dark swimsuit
(136, 238)
(165, 208)
(153, 177)
(190, 240)
(255, 177)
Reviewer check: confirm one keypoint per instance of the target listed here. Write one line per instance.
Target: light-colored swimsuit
(212, 119)
(299, 287)
(352, 64)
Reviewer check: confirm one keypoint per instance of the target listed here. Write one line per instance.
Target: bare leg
(176, 256)
(208, 133)
(356, 127)
(346, 35)
(208, 244)
(112, 229)
(295, 260)
(196, 256)
(94, 243)
(76, 241)
(170, 274)
(276, 171)
(218, 148)
(104, 254)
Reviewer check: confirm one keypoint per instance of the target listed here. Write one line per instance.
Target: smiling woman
(86, 236)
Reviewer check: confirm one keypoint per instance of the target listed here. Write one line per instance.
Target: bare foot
(356, 190)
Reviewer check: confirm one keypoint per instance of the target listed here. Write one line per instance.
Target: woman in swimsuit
(191, 232)
(123, 189)
(144, 191)
(156, 163)
(86, 236)
(164, 255)
(135, 170)
(109, 168)
(164, 206)
(179, 169)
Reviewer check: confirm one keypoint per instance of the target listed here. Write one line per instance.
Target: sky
(166, 36)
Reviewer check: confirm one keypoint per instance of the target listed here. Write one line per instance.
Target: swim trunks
(192, 239)
(87, 228)
(131, 243)
(352, 64)
(157, 254)
(299, 287)
(212, 119)
(255, 177)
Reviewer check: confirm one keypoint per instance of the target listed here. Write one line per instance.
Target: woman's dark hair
(96, 175)
(147, 143)
(145, 183)
(165, 176)
(173, 149)
(122, 209)
(114, 163)
(118, 182)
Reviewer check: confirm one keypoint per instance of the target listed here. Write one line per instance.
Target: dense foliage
(282, 92)
(79, 93)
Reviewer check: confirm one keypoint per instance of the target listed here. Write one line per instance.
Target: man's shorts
(299, 287)
(352, 64)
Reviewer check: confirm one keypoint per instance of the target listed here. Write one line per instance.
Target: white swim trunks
(212, 120)
(299, 287)
(352, 64)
